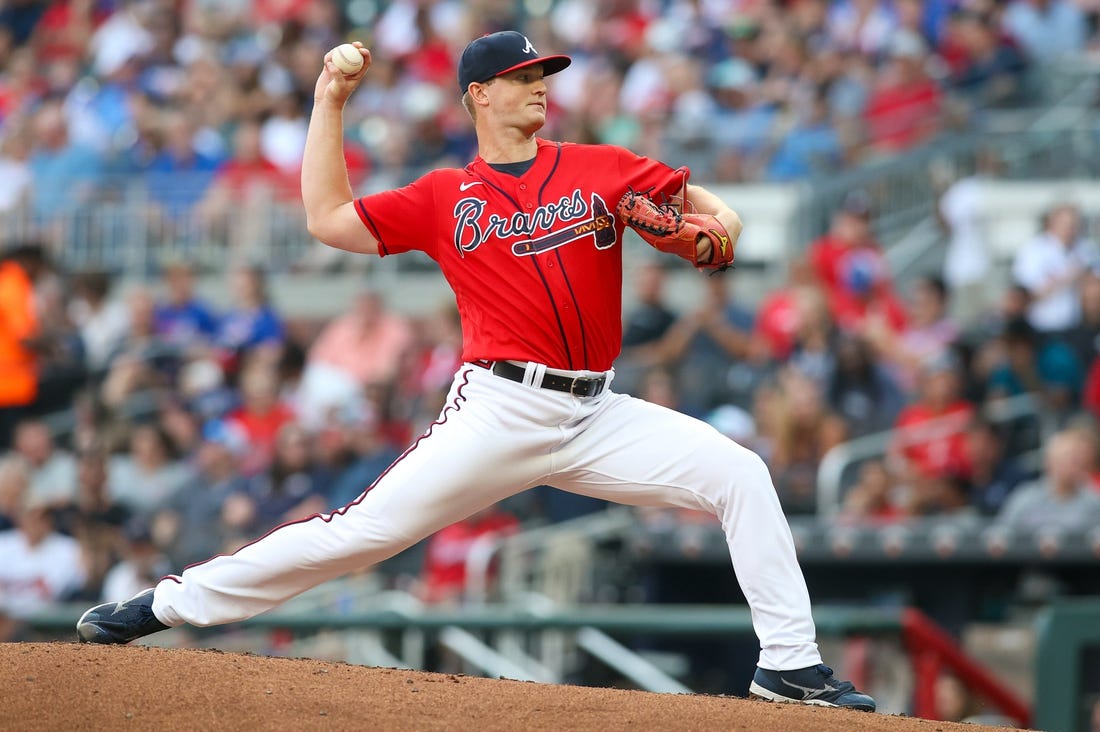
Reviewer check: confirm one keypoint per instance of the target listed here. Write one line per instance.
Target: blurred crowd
(206, 102)
(146, 429)
(839, 353)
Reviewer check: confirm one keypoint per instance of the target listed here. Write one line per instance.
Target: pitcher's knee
(753, 473)
(746, 477)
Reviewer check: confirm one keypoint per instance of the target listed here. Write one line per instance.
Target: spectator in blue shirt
(182, 319)
(180, 172)
(811, 146)
(251, 322)
(64, 174)
(994, 68)
(1047, 29)
(294, 485)
(743, 121)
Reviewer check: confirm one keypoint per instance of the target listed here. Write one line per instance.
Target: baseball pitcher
(529, 236)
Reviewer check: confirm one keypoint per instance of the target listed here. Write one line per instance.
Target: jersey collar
(480, 167)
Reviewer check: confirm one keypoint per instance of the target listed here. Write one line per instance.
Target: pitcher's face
(518, 98)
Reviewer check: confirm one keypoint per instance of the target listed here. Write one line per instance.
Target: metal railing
(464, 629)
(515, 550)
(133, 225)
(837, 461)
(122, 232)
(1054, 140)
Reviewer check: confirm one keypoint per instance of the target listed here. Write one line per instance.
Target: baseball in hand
(347, 58)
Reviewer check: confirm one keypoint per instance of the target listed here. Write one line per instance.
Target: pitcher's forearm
(701, 200)
(326, 191)
(325, 184)
(706, 202)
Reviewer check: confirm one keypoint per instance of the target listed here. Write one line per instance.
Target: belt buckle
(592, 386)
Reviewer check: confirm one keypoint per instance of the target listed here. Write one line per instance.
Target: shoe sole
(756, 691)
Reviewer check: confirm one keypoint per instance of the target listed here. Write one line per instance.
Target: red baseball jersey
(535, 261)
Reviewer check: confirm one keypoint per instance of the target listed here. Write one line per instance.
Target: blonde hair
(468, 101)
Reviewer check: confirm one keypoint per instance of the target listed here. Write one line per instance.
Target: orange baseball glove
(668, 230)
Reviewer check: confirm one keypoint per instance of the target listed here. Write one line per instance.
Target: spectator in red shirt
(444, 575)
(852, 269)
(783, 311)
(264, 12)
(248, 172)
(931, 444)
(865, 302)
(237, 206)
(849, 235)
(66, 27)
(261, 415)
(433, 60)
(871, 500)
(427, 364)
(905, 108)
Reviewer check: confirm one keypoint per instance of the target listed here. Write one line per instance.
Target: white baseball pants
(495, 438)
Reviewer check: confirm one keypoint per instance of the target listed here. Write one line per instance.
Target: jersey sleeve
(402, 219)
(646, 174)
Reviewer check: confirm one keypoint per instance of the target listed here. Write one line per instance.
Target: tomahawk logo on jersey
(555, 304)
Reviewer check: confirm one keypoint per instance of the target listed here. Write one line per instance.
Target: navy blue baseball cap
(499, 53)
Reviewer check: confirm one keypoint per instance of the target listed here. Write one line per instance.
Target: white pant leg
(483, 448)
(630, 451)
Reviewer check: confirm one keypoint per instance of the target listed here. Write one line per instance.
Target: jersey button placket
(529, 205)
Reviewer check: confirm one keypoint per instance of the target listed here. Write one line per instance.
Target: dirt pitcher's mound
(60, 686)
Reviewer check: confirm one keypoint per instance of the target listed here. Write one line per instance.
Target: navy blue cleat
(120, 622)
(814, 685)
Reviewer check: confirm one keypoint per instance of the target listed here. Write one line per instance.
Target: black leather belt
(581, 386)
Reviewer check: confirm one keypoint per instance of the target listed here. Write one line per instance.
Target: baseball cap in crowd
(732, 74)
(858, 203)
(220, 432)
(908, 44)
(138, 530)
(859, 275)
(501, 52)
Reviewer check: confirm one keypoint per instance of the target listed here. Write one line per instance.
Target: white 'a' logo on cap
(528, 48)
